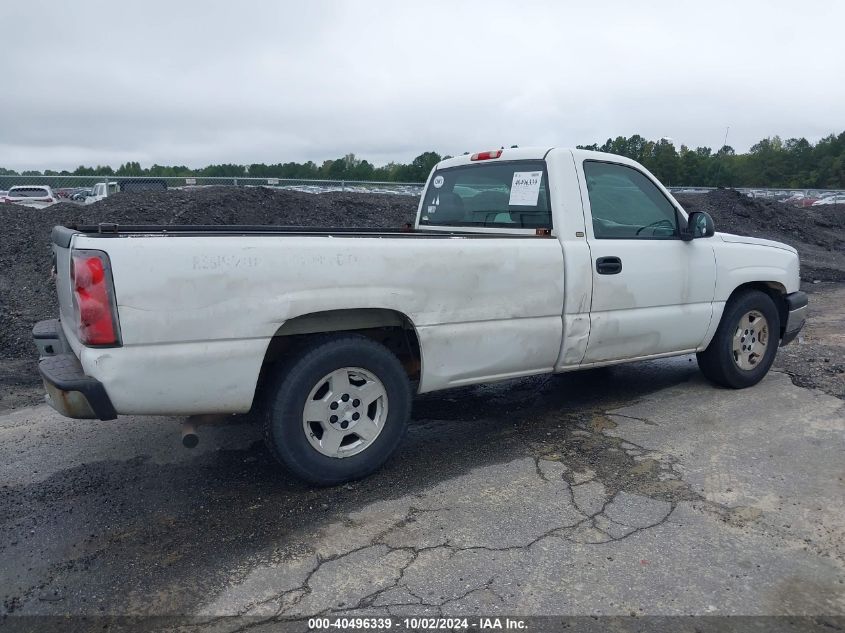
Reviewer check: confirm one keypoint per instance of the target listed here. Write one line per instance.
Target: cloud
(201, 82)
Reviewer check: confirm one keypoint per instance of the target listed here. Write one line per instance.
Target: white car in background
(836, 199)
(99, 192)
(36, 196)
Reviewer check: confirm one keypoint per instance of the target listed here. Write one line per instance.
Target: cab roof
(534, 153)
(513, 153)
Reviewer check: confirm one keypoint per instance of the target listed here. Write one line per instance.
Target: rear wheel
(744, 346)
(338, 410)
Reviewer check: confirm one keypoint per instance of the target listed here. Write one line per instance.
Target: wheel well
(775, 290)
(392, 329)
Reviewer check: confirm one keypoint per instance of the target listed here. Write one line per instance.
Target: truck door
(652, 291)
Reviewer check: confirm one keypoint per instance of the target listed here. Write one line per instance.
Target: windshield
(501, 194)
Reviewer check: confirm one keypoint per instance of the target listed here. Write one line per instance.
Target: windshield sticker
(437, 182)
(525, 188)
(432, 209)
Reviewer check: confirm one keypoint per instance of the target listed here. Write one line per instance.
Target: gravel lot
(639, 490)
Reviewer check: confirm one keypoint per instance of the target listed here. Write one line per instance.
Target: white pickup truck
(101, 191)
(522, 261)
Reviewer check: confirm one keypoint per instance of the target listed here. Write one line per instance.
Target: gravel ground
(27, 294)
(639, 490)
(817, 359)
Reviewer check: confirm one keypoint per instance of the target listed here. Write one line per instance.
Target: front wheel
(744, 346)
(338, 410)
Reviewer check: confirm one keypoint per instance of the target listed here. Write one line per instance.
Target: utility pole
(722, 158)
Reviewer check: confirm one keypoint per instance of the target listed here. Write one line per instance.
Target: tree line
(772, 162)
(346, 168)
(794, 163)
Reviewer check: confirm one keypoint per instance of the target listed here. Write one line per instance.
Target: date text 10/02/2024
(387, 623)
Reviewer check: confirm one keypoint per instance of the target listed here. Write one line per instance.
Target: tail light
(486, 155)
(93, 299)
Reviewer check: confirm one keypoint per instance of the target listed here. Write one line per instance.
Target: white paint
(195, 336)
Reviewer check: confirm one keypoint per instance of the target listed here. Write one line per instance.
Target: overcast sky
(181, 82)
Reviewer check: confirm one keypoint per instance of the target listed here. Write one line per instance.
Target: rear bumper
(796, 305)
(69, 390)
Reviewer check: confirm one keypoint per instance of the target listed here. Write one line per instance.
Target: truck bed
(204, 311)
(62, 234)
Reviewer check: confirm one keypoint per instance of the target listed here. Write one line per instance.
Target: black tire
(718, 363)
(290, 387)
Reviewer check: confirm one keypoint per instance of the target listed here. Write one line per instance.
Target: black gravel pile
(27, 293)
(818, 233)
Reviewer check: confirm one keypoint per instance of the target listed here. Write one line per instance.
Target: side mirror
(699, 224)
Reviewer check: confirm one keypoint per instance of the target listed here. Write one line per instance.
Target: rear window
(501, 194)
(28, 192)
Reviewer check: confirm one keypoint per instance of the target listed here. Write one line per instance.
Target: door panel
(652, 292)
(660, 302)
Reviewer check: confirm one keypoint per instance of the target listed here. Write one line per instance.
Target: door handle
(608, 265)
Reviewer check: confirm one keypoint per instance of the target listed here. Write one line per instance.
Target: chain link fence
(82, 188)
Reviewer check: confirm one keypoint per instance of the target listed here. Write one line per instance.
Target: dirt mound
(27, 294)
(817, 232)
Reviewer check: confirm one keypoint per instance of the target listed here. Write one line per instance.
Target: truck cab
(641, 278)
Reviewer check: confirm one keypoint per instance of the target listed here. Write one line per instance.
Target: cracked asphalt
(637, 490)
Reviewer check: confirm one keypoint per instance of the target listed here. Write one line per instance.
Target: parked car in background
(807, 201)
(80, 193)
(37, 196)
(64, 192)
(142, 184)
(800, 200)
(835, 199)
(99, 192)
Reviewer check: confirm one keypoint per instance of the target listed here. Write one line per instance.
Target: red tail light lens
(93, 298)
(486, 155)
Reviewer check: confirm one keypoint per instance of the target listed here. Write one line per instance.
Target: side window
(626, 205)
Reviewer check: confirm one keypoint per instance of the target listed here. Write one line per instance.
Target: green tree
(130, 169)
(769, 163)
